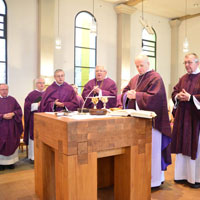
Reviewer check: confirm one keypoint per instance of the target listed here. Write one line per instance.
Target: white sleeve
(176, 102)
(100, 93)
(136, 105)
(34, 106)
(196, 103)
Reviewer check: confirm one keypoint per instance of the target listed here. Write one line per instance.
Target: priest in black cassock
(146, 91)
(59, 95)
(100, 86)
(185, 135)
(10, 128)
(31, 105)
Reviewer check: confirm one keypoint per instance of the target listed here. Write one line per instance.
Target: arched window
(84, 49)
(3, 42)
(149, 47)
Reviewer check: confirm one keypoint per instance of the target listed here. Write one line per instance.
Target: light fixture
(145, 24)
(93, 27)
(58, 42)
(185, 43)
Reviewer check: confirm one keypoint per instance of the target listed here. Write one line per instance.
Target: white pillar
(174, 53)
(123, 43)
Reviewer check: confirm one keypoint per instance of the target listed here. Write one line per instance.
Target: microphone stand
(87, 97)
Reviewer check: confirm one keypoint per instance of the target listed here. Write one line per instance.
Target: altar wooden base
(67, 150)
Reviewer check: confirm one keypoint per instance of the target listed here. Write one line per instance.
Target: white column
(123, 43)
(174, 53)
(46, 38)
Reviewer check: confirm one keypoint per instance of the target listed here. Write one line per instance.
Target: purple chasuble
(108, 87)
(28, 115)
(10, 129)
(80, 101)
(64, 93)
(151, 96)
(186, 127)
(119, 101)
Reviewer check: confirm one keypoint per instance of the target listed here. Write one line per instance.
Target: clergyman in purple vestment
(59, 95)
(10, 128)
(185, 135)
(100, 86)
(31, 105)
(79, 98)
(146, 91)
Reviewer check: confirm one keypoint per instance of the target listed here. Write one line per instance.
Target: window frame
(5, 37)
(155, 46)
(81, 47)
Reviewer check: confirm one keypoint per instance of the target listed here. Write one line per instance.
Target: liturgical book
(133, 113)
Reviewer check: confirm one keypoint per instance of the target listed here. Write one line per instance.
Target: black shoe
(11, 166)
(195, 186)
(183, 181)
(31, 161)
(2, 167)
(155, 188)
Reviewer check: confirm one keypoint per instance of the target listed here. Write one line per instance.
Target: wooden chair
(22, 144)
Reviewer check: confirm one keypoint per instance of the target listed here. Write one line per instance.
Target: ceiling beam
(133, 2)
(188, 17)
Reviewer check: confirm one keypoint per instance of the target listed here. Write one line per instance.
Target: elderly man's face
(100, 73)
(142, 65)
(40, 84)
(4, 90)
(60, 77)
(190, 64)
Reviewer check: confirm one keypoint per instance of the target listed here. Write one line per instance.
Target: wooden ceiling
(171, 9)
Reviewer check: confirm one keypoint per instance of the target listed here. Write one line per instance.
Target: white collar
(3, 97)
(196, 71)
(39, 90)
(145, 72)
(58, 84)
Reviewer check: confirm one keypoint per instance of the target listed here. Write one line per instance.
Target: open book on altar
(133, 113)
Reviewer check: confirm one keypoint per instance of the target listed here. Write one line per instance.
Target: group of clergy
(145, 91)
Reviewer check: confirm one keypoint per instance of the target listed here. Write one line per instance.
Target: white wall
(23, 42)
(163, 32)
(106, 40)
(22, 47)
(193, 33)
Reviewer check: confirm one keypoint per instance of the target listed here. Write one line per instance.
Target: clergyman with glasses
(59, 95)
(101, 85)
(185, 135)
(146, 91)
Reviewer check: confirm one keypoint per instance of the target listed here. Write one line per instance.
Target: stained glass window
(84, 49)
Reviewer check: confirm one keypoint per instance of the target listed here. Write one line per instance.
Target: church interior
(32, 27)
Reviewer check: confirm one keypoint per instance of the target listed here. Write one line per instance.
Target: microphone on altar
(94, 88)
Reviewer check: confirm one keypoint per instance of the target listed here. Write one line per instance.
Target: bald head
(142, 64)
(59, 76)
(3, 90)
(100, 73)
(40, 84)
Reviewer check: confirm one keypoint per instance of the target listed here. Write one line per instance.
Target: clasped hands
(59, 104)
(183, 96)
(131, 94)
(96, 90)
(9, 115)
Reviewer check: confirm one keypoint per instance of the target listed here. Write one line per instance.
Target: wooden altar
(66, 153)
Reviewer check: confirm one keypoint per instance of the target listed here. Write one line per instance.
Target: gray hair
(193, 54)
(58, 70)
(142, 56)
(37, 79)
